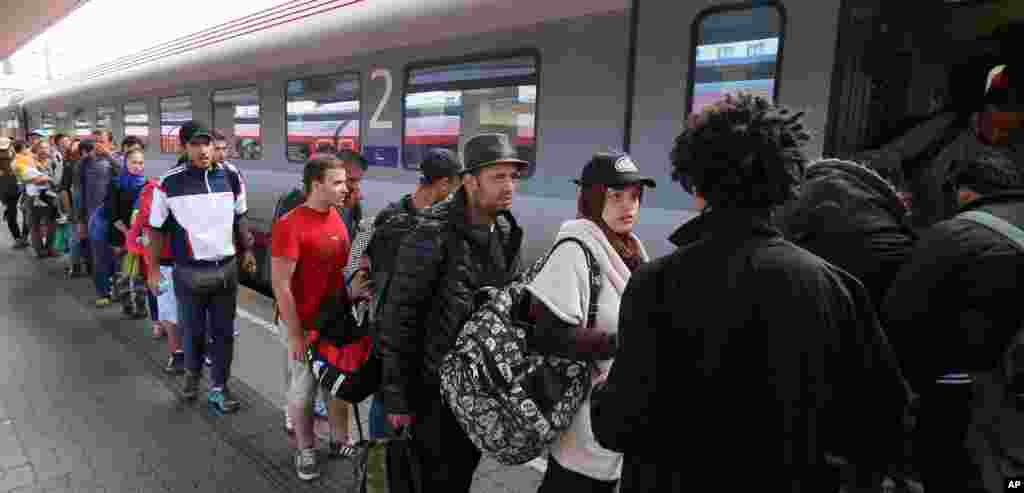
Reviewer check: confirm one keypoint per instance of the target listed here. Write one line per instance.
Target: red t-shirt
(319, 243)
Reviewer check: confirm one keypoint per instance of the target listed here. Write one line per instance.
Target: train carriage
(393, 78)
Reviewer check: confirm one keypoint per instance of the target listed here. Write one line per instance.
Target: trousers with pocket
(208, 324)
(942, 457)
(448, 458)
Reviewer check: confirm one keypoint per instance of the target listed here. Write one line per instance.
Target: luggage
(387, 465)
(511, 400)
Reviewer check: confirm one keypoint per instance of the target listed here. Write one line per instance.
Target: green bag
(60, 238)
(388, 465)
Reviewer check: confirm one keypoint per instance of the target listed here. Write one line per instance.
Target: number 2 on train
(375, 121)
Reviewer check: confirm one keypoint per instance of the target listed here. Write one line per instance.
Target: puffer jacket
(958, 295)
(439, 268)
(850, 216)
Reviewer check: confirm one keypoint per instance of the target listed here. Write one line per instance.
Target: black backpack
(995, 435)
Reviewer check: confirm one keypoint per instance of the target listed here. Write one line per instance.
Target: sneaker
(207, 361)
(20, 243)
(306, 466)
(103, 302)
(221, 400)
(175, 364)
(340, 449)
(191, 390)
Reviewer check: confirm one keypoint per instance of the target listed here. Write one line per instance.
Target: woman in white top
(609, 206)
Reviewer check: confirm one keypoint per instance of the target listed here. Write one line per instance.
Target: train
(393, 78)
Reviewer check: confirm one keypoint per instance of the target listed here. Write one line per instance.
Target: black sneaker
(175, 364)
(191, 389)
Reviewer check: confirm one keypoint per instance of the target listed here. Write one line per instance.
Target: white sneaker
(305, 464)
(289, 425)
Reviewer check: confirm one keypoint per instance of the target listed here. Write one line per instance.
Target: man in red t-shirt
(310, 247)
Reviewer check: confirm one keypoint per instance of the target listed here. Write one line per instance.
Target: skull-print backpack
(510, 399)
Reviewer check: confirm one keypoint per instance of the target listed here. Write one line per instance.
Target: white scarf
(607, 258)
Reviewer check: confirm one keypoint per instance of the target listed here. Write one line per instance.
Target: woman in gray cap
(611, 190)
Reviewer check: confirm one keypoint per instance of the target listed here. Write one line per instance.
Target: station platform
(85, 406)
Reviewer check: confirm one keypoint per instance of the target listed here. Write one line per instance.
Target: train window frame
(77, 117)
(474, 84)
(113, 116)
(357, 75)
(160, 107)
(695, 33)
(259, 99)
(124, 119)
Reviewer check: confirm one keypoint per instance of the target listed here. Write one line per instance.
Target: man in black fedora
(458, 247)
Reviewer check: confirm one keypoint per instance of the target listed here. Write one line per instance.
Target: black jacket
(383, 247)
(956, 303)
(120, 203)
(769, 356)
(849, 216)
(440, 266)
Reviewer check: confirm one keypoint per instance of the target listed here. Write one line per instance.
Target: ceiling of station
(24, 20)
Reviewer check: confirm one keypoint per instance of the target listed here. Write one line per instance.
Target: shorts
(301, 384)
(167, 303)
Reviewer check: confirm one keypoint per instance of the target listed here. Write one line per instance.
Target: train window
(105, 117)
(61, 122)
(323, 115)
(11, 125)
(82, 126)
(136, 121)
(47, 123)
(737, 50)
(446, 104)
(236, 114)
(174, 112)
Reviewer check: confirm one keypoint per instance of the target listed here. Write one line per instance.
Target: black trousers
(448, 458)
(942, 457)
(11, 215)
(558, 479)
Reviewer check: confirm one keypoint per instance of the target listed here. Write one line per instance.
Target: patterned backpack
(511, 400)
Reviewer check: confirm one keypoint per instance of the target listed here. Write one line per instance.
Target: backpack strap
(595, 276)
(997, 224)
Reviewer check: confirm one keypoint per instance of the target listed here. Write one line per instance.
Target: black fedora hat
(486, 150)
(613, 169)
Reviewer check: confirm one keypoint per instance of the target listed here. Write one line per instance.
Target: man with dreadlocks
(770, 355)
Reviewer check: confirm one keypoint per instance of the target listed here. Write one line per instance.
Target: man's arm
(626, 406)
(406, 300)
(281, 271)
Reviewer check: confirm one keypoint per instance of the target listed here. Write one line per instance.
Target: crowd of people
(805, 329)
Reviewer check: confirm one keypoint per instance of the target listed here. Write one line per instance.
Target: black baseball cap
(198, 129)
(613, 169)
(440, 163)
(190, 129)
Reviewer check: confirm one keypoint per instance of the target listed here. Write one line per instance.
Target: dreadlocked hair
(741, 152)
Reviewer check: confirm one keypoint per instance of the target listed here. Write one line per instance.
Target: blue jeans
(208, 324)
(379, 426)
(102, 266)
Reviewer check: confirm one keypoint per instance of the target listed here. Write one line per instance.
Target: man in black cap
(441, 171)
(457, 247)
(200, 207)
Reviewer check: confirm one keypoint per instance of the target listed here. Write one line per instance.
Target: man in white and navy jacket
(200, 208)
